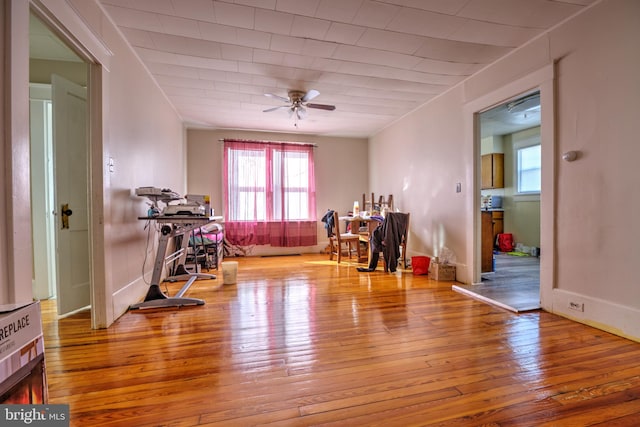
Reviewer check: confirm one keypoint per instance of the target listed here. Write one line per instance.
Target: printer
(184, 209)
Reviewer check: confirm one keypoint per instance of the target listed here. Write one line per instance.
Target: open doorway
(509, 146)
(59, 171)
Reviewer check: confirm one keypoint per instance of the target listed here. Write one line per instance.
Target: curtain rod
(253, 141)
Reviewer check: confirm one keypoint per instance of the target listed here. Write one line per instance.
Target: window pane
(529, 169)
(530, 157)
(296, 170)
(247, 186)
(297, 206)
(290, 185)
(530, 181)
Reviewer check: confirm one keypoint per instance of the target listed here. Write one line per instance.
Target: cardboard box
(23, 377)
(442, 272)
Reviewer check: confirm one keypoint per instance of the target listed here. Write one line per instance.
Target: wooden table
(370, 223)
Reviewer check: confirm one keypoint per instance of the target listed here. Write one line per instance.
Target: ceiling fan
(298, 102)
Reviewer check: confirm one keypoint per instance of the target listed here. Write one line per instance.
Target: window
(246, 184)
(291, 186)
(268, 184)
(528, 169)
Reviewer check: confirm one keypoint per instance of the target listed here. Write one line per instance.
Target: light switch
(459, 187)
(111, 164)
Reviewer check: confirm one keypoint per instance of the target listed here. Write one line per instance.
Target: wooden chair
(371, 205)
(386, 203)
(338, 239)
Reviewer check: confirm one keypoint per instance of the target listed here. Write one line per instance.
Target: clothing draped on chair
(388, 238)
(328, 222)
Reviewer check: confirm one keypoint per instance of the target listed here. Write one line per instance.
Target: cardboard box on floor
(442, 272)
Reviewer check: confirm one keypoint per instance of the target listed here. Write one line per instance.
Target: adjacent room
(315, 212)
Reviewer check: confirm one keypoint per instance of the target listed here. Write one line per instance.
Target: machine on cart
(177, 222)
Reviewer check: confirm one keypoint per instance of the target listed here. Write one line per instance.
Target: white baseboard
(615, 318)
(130, 294)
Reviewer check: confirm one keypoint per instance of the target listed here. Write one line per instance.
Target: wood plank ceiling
(374, 60)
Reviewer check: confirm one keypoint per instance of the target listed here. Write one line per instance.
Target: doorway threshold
(514, 285)
(519, 298)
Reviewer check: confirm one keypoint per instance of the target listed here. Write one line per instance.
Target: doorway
(510, 190)
(59, 171)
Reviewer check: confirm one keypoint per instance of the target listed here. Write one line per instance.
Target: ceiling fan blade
(322, 106)
(274, 108)
(310, 95)
(281, 98)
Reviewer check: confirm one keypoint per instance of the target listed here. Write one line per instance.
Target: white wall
(598, 197)
(6, 144)
(419, 160)
(340, 167)
(594, 232)
(15, 217)
(145, 138)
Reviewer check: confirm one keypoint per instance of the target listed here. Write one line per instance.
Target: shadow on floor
(515, 284)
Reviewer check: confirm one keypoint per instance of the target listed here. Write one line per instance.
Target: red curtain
(269, 194)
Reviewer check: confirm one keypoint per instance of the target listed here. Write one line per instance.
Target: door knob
(66, 213)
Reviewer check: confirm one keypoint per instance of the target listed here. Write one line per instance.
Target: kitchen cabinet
(492, 171)
(492, 224)
(486, 244)
(497, 222)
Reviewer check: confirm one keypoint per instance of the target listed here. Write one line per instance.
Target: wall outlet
(577, 306)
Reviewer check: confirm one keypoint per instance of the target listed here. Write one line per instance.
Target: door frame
(543, 80)
(101, 316)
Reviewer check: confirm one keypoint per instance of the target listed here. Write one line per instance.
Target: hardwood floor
(303, 341)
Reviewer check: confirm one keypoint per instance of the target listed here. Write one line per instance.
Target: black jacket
(386, 238)
(328, 222)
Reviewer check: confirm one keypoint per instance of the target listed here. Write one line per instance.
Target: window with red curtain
(270, 196)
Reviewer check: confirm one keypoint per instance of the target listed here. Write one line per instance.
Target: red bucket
(420, 265)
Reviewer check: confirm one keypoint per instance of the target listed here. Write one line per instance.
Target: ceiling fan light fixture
(298, 102)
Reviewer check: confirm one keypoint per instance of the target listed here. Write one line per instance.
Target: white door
(70, 145)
